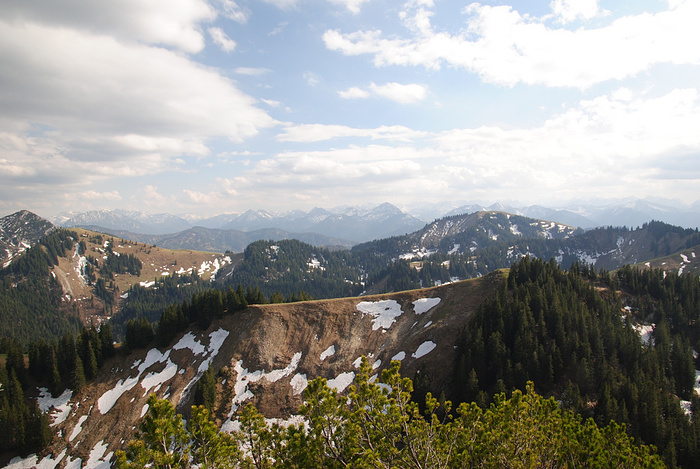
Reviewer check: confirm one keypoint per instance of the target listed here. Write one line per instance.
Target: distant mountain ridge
(318, 226)
(219, 240)
(630, 214)
(362, 224)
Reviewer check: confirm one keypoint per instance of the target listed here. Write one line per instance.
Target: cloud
(402, 94)
(504, 47)
(354, 93)
(112, 195)
(572, 10)
(77, 108)
(271, 102)
(354, 6)
(320, 132)
(311, 79)
(159, 22)
(232, 11)
(282, 4)
(618, 144)
(222, 40)
(252, 71)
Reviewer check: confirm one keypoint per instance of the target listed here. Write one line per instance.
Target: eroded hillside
(266, 355)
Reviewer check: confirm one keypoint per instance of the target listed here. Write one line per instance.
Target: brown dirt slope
(263, 353)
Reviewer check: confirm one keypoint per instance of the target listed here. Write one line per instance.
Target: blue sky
(205, 107)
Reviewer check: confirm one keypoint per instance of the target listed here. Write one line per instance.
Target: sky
(218, 106)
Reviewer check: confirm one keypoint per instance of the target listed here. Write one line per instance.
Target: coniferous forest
(571, 334)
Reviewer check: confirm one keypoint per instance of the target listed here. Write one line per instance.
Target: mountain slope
(469, 339)
(73, 276)
(18, 232)
(266, 353)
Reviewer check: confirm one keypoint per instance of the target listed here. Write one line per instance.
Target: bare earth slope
(266, 354)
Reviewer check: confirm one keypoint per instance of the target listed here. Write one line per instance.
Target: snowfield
(424, 349)
(424, 305)
(384, 312)
(645, 332)
(342, 381)
(329, 352)
(60, 405)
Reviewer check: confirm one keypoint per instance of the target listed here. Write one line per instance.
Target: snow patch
(109, 398)
(342, 381)
(399, 356)
(423, 305)
(329, 352)
(276, 375)
(97, 458)
(154, 379)
(645, 332)
(298, 383)
(424, 349)
(78, 428)
(216, 340)
(384, 312)
(60, 404)
(31, 462)
(189, 341)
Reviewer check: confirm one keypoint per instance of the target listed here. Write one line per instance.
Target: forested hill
(609, 346)
(496, 239)
(74, 277)
(454, 248)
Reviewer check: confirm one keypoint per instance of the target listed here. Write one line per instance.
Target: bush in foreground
(378, 425)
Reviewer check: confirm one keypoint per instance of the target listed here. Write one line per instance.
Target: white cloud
(222, 40)
(506, 48)
(282, 4)
(354, 6)
(78, 108)
(271, 102)
(572, 10)
(252, 71)
(162, 22)
(403, 94)
(311, 79)
(616, 144)
(354, 93)
(92, 195)
(233, 11)
(320, 132)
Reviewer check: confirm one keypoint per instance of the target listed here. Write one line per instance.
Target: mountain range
(348, 227)
(360, 224)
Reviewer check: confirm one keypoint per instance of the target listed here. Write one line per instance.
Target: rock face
(266, 355)
(20, 231)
